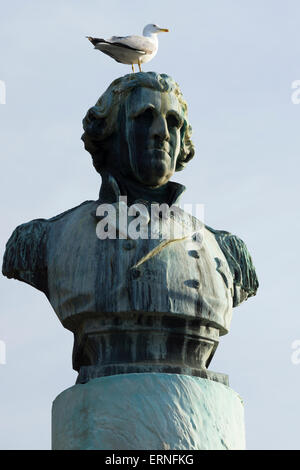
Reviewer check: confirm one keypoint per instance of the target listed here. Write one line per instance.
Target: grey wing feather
(139, 43)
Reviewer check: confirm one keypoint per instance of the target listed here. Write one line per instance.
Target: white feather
(132, 49)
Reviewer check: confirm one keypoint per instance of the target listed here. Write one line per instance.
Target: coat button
(193, 283)
(128, 245)
(135, 273)
(197, 237)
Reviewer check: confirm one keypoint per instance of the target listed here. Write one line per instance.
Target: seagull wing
(126, 50)
(138, 43)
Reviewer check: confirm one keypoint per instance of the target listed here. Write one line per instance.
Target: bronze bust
(136, 305)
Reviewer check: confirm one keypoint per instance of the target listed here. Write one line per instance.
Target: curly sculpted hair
(101, 121)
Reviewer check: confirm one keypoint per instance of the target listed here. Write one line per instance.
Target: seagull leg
(132, 66)
(139, 65)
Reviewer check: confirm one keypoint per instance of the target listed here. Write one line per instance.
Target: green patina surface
(181, 291)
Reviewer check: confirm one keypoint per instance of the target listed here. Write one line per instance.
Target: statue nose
(160, 128)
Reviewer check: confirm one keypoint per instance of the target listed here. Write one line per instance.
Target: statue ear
(94, 124)
(187, 150)
(190, 155)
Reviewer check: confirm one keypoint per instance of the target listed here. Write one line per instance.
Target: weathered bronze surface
(136, 305)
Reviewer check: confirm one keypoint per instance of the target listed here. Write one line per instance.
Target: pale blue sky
(235, 62)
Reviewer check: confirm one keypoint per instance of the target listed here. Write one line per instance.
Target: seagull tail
(95, 41)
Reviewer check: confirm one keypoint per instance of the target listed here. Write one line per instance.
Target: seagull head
(153, 29)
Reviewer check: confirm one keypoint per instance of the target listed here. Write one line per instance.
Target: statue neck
(113, 186)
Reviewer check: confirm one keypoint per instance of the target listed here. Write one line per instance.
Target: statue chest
(186, 277)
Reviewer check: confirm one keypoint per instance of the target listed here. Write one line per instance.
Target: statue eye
(173, 121)
(145, 118)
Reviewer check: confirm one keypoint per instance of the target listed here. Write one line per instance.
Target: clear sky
(235, 63)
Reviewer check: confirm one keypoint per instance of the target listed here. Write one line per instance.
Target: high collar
(112, 189)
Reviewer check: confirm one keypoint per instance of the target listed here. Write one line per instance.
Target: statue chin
(156, 180)
(157, 172)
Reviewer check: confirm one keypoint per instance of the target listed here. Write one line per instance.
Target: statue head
(139, 129)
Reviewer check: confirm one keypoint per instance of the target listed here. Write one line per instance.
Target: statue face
(153, 123)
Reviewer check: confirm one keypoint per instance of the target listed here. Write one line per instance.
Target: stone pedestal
(148, 411)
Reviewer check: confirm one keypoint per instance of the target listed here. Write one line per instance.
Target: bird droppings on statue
(131, 50)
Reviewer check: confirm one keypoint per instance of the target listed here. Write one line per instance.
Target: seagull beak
(164, 30)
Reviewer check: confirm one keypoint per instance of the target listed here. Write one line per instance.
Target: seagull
(131, 49)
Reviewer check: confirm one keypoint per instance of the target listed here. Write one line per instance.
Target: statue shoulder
(83, 207)
(25, 256)
(240, 264)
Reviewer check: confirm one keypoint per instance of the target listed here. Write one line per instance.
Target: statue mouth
(159, 149)
(160, 154)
